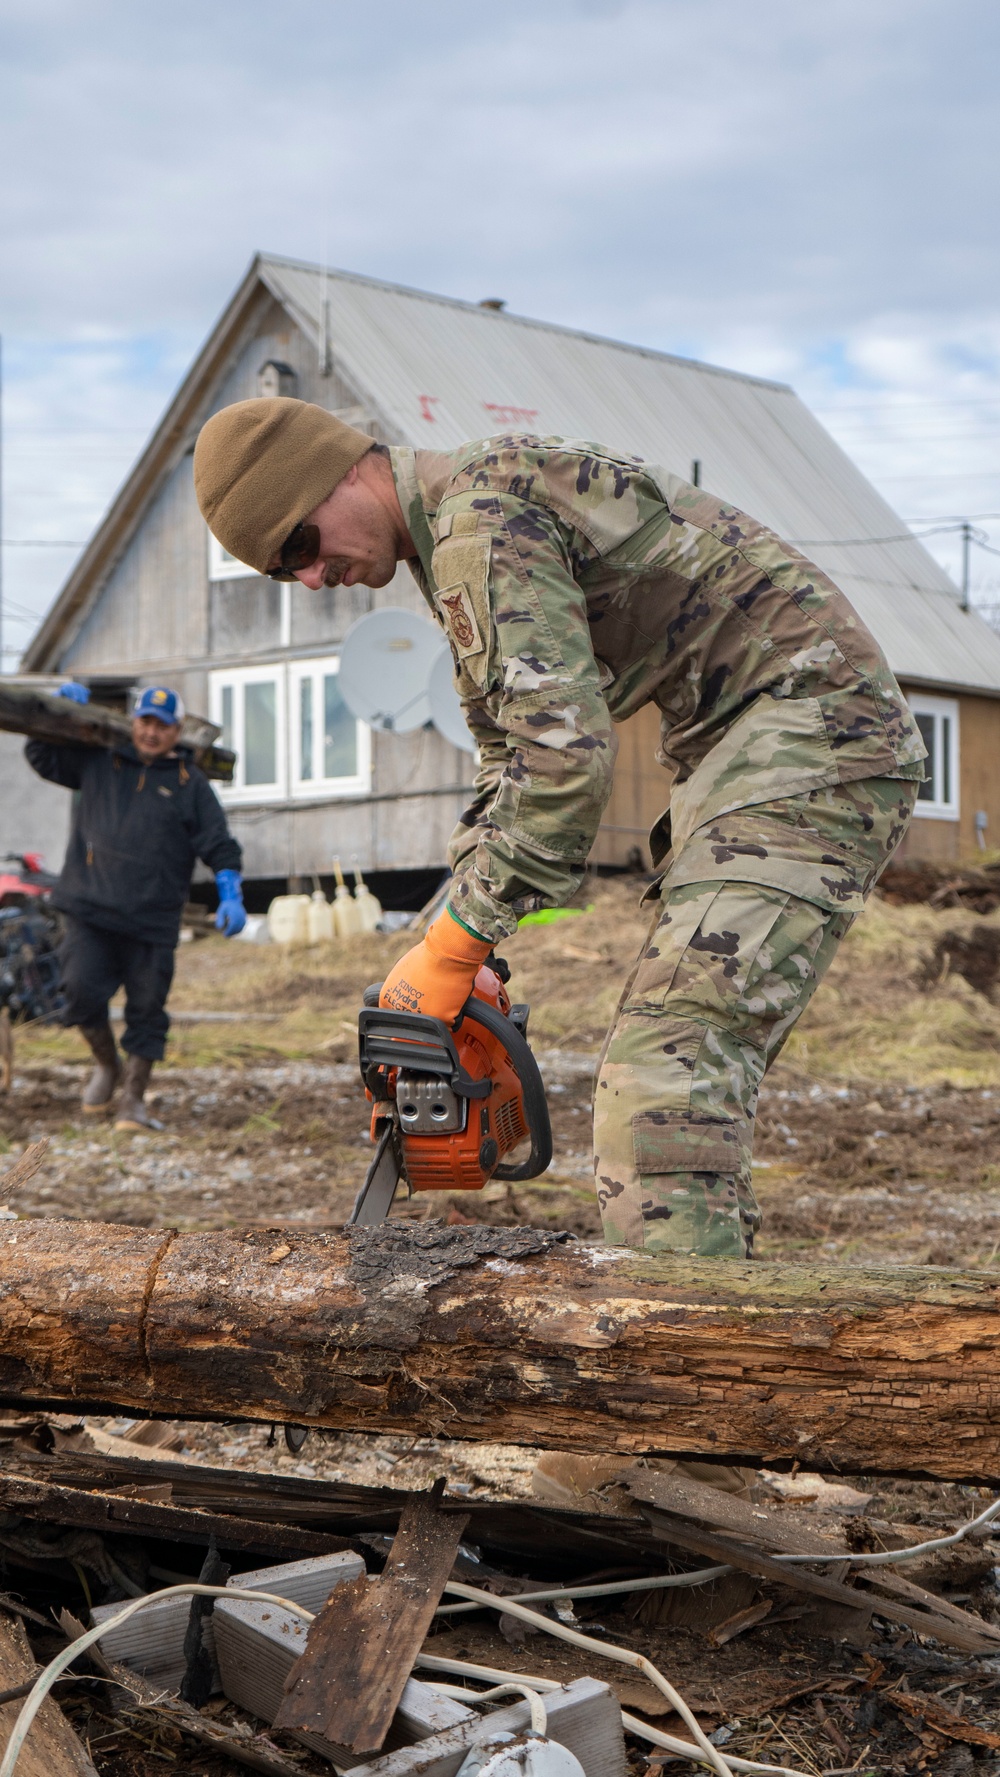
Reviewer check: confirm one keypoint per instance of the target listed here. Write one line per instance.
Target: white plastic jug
(368, 905)
(321, 921)
(346, 913)
(288, 919)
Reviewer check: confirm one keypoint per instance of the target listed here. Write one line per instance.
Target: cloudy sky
(806, 192)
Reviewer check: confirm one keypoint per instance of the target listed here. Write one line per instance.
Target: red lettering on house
(511, 416)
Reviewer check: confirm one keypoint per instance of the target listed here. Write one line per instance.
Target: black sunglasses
(299, 550)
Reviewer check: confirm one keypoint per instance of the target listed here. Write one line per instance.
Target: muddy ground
(878, 1133)
(878, 1140)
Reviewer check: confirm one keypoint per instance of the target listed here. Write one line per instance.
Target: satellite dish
(385, 666)
(446, 707)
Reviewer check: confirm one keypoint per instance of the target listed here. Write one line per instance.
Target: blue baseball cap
(157, 701)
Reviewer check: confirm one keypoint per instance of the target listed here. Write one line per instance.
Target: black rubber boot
(132, 1113)
(100, 1088)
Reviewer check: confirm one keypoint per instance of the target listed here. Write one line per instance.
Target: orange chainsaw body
(464, 1101)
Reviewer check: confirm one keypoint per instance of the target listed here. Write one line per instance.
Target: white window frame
(940, 709)
(302, 788)
(223, 566)
(238, 678)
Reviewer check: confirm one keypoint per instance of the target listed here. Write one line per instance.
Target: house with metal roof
(154, 598)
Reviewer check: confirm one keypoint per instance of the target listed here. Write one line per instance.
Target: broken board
(361, 1648)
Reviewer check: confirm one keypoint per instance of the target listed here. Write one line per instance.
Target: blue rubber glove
(75, 693)
(232, 915)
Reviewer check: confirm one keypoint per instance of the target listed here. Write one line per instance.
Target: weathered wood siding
(642, 790)
(641, 793)
(160, 617)
(153, 611)
(34, 815)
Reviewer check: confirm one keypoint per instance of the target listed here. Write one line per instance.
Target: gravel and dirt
(878, 1134)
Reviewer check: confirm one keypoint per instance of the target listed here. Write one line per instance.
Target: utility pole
(966, 541)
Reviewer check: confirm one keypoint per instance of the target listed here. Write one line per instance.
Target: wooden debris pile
(380, 1606)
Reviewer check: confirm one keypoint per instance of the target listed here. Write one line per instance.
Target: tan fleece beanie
(260, 466)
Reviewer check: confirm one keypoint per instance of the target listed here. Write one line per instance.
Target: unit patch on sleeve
(460, 620)
(461, 569)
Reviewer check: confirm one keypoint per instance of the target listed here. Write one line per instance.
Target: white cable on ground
(533, 1698)
(606, 1589)
(46, 1679)
(890, 1557)
(702, 1575)
(631, 1723)
(604, 1649)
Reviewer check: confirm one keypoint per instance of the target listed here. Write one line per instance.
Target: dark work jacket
(137, 830)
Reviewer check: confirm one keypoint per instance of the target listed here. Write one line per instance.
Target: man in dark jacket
(145, 814)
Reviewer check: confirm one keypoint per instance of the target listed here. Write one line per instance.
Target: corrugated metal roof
(438, 372)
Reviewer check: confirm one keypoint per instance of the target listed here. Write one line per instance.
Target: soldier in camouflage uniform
(576, 585)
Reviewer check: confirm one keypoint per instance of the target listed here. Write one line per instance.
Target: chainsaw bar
(374, 1200)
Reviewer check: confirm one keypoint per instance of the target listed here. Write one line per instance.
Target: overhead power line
(954, 524)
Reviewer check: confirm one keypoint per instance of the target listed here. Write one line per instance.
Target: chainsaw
(448, 1102)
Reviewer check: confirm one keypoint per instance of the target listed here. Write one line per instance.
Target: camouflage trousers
(729, 967)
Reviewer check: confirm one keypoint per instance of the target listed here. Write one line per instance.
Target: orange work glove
(436, 976)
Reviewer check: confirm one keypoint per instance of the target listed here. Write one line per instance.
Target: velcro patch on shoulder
(461, 569)
(683, 1141)
(465, 524)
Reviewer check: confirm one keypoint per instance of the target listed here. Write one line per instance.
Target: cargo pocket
(683, 1141)
(460, 566)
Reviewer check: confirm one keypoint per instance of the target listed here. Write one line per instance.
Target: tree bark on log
(512, 1335)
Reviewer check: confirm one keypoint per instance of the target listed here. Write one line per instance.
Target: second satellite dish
(446, 707)
(385, 666)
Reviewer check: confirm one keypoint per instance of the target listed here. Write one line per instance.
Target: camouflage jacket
(575, 586)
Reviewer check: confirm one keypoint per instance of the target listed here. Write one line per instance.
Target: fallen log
(509, 1334)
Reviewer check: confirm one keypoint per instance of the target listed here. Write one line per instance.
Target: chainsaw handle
(525, 1066)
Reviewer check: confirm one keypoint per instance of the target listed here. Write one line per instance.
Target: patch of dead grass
(875, 1017)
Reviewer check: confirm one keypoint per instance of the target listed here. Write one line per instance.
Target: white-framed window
(330, 751)
(248, 703)
(291, 731)
(937, 720)
(222, 565)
